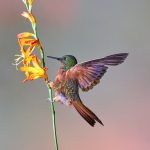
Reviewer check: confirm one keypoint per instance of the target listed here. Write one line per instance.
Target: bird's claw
(51, 84)
(51, 100)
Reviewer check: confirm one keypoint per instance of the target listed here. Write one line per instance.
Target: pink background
(87, 30)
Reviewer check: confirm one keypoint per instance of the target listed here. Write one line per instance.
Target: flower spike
(28, 4)
(33, 66)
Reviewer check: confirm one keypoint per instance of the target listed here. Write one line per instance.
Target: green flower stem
(53, 117)
(50, 95)
(34, 27)
(26, 4)
(42, 56)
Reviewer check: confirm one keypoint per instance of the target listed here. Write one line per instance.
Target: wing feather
(88, 74)
(87, 77)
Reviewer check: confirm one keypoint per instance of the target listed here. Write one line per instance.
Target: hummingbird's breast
(71, 90)
(66, 86)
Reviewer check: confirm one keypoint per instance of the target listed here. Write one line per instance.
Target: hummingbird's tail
(86, 113)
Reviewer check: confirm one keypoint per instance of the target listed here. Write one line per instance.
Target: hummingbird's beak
(57, 58)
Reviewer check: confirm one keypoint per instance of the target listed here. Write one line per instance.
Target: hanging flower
(25, 55)
(28, 42)
(30, 17)
(35, 71)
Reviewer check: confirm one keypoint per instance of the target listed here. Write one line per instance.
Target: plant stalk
(34, 27)
(53, 117)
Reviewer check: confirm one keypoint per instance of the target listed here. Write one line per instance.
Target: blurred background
(86, 29)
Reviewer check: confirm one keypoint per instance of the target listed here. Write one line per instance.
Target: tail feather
(86, 113)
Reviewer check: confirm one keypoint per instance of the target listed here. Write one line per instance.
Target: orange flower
(25, 55)
(29, 16)
(32, 43)
(25, 35)
(27, 42)
(35, 71)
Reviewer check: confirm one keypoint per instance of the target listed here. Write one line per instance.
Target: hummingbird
(73, 76)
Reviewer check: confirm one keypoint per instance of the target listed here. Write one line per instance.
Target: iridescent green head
(68, 61)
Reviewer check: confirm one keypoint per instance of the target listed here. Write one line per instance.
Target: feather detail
(115, 59)
(111, 60)
(88, 74)
(86, 113)
(87, 77)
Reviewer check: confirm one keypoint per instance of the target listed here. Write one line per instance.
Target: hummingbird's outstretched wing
(89, 73)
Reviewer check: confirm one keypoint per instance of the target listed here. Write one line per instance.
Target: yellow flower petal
(27, 60)
(35, 71)
(27, 41)
(29, 69)
(29, 16)
(27, 46)
(35, 62)
(30, 2)
(32, 43)
(25, 35)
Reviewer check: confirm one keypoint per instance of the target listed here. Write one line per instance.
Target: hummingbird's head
(68, 61)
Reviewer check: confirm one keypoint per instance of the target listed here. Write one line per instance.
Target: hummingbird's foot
(61, 98)
(51, 100)
(51, 83)
(56, 98)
